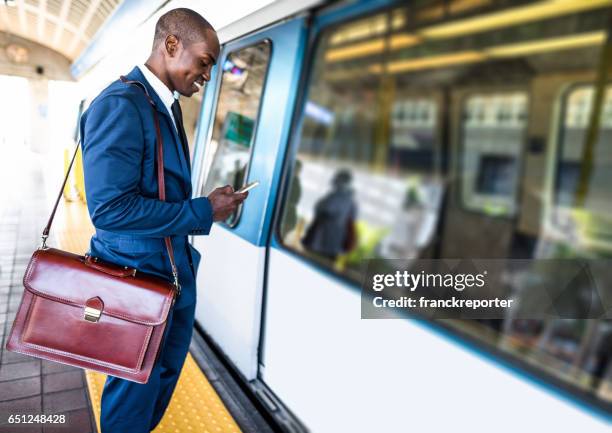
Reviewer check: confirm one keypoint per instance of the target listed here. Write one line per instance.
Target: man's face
(188, 67)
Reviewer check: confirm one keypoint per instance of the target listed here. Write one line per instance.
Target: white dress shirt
(162, 91)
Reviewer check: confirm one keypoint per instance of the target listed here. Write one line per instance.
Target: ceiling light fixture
(17, 53)
(505, 18)
(548, 45)
(461, 58)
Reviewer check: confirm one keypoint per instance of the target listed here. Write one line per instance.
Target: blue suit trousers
(130, 407)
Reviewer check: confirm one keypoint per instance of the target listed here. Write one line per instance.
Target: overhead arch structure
(26, 58)
(65, 26)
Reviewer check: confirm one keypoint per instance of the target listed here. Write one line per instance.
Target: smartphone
(247, 187)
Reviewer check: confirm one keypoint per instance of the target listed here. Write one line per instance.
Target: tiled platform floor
(27, 385)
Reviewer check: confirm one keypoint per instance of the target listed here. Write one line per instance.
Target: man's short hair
(187, 25)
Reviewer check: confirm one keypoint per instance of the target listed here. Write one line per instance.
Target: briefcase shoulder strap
(160, 180)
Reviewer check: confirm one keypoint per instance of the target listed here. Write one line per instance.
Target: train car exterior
(451, 142)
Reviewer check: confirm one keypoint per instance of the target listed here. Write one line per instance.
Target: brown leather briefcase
(84, 312)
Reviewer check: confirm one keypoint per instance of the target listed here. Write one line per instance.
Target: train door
(578, 207)
(577, 222)
(254, 85)
(487, 145)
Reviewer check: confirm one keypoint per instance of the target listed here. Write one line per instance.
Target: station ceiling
(66, 26)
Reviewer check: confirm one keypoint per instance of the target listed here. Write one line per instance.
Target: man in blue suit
(119, 157)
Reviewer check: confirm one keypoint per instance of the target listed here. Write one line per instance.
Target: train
(455, 129)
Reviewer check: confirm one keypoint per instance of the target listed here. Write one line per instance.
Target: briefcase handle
(160, 181)
(109, 268)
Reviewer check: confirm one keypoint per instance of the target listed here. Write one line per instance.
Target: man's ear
(171, 45)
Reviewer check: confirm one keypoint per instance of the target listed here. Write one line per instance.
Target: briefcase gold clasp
(93, 309)
(92, 314)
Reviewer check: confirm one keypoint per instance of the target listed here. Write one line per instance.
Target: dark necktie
(178, 118)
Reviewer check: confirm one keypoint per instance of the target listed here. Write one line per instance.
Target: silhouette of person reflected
(291, 216)
(332, 230)
(238, 175)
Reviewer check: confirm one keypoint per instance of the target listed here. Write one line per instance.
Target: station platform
(33, 386)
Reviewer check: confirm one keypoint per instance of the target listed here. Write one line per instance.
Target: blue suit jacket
(119, 159)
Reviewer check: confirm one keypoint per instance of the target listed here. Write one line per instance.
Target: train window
(228, 154)
(582, 181)
(493, 135)
(411, 145)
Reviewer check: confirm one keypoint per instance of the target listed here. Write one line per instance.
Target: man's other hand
(225, 201)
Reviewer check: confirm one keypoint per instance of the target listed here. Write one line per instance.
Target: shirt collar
(160, 88)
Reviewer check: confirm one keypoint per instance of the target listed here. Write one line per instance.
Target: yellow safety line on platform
(195, 406)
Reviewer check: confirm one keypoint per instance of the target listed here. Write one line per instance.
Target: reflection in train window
(493, 136)
(227, 155)
(585, 181)
(426, 138)
(413, 133)
(495, 175)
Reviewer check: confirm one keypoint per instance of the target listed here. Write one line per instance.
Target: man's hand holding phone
(225, 200)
